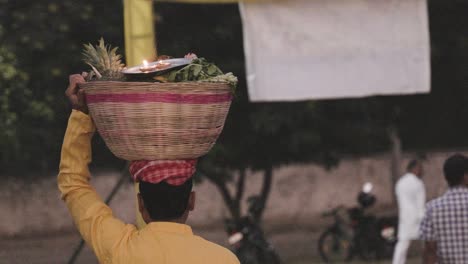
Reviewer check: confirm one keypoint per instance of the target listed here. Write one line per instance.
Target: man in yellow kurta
(164, 240)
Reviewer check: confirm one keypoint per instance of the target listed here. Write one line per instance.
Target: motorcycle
(357, 233)
(248, 240)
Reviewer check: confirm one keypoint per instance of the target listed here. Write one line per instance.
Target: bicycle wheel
(367, 247)
(334, 247)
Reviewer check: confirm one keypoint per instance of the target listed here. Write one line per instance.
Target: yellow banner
(199, 1)
(210, 1)
(139, 31)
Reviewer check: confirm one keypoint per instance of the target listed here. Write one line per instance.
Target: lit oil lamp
(159, 65)
(162, 64)
(146, 67)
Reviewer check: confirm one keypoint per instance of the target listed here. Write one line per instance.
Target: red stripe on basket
(159, 98)
(160, 133)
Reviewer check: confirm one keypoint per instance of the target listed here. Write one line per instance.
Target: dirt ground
(294, 247)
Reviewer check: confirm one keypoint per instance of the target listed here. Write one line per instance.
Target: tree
(263, 137)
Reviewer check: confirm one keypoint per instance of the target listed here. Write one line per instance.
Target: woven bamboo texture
(155, 121)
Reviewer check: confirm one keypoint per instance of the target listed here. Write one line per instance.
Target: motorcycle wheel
(386, 251)
(247, 255)
(334, 247)
(270, 257)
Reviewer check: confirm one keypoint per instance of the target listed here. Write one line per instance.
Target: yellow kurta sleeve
(93, 218)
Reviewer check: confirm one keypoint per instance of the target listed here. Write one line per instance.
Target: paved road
(294, 246)
(58, 248)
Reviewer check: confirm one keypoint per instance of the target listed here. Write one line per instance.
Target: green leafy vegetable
(201, 70)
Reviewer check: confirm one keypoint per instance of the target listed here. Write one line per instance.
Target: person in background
(411, 197)
(165, 201)
(445, 225)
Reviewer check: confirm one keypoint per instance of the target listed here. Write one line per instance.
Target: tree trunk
(395, 159)
(239, 193)
(265, 192)
(233, 203)
(222, 188)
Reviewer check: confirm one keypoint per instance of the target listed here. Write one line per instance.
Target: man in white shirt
(411, 196)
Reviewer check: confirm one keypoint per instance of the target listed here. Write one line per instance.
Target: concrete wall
(299, 195)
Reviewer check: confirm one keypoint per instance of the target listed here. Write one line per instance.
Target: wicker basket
(155, 121)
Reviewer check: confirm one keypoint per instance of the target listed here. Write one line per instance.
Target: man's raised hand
(75, 94)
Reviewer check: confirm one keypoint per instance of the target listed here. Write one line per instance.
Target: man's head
(456, 170)
(165, 202)
(415, 167)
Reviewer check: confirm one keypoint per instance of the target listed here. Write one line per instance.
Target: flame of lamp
(146, 67)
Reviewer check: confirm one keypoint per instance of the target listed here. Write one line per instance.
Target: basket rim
(156, 83)
(119, 86)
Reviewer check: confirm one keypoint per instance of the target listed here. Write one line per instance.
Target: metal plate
(175, 63)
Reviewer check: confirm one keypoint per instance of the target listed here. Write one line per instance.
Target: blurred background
(299, 159)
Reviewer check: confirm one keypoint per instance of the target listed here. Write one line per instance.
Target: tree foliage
(41, 43)
(16, 104)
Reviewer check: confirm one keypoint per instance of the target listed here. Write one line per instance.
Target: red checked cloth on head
(174, 172)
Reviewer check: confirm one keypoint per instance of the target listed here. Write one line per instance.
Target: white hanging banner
(320, 49)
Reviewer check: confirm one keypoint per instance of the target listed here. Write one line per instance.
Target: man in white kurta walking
(411, 196)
